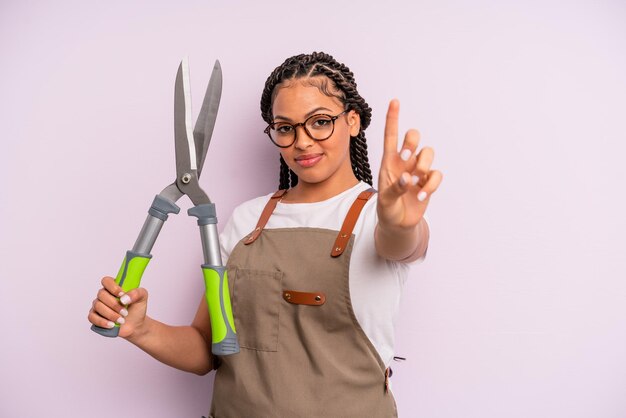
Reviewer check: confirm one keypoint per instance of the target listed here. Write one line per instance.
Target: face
(316, 162)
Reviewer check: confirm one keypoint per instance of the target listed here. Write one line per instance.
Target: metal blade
(208, 113)
(183, 135)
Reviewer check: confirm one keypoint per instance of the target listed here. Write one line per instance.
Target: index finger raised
(391, 127)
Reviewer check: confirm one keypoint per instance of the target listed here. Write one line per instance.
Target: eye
(320, 122)
(283, 129)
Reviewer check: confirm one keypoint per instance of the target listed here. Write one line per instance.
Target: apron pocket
(257, 296)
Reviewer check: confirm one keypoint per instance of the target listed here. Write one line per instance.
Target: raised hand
(405, 181)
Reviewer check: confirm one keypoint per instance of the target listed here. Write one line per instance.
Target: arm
(402, 245)
(187, 348)
(405, 185)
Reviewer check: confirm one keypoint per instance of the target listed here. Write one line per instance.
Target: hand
(405, 181)
(112, 306)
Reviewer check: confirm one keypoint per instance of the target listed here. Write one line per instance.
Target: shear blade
(185, 149)
(208, 114)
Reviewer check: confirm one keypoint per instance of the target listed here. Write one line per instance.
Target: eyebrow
(312, 112)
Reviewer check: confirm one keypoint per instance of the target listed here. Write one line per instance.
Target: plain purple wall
(519, 310)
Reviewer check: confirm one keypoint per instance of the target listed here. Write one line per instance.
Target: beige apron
(303, 353)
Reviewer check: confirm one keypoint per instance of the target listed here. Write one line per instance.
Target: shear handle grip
(128, 278)
(224, 337)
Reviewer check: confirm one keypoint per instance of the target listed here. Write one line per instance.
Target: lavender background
(518, 311)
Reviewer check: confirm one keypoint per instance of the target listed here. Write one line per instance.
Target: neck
(305, 192)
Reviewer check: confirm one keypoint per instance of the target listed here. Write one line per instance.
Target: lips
(308, 160)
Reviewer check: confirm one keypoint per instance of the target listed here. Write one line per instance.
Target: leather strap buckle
(304, 298)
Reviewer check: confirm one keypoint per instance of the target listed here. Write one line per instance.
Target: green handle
(220, 310)
(128, 278)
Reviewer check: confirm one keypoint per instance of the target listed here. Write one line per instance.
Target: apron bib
(303, 353)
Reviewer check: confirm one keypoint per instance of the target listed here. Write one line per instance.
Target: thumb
(134, 296)
(396, 189)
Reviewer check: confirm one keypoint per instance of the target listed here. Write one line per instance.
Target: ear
(354, 122)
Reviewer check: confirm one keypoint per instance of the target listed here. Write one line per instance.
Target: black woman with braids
(316, 269)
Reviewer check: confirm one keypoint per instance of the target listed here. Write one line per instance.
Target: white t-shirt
(375, 283)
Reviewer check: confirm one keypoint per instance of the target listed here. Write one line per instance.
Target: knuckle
(93, 317)
(422, 171)
(412, 137)
(102, 294)
(104, 312)
(138, 294)
(98, 320)
(97, 307)
(111, 285)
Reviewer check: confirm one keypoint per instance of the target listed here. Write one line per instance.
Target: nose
(303, 140)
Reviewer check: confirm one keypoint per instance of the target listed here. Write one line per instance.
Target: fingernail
(125, 299)
(402, 180)
(119, 295)
(120, 320)
(421, 196)
(405, 154)
(124, 312)
(110, 324)
(414, 179)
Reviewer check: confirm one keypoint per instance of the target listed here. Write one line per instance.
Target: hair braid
(359, 160)
(322, 64)
(287, 177)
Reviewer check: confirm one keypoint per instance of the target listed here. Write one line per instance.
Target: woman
(316, 269)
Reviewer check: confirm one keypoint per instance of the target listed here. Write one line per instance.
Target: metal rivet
(186, 178)
(338, 249)
(250, 238)
(318, 298)
(343, 235)
(288, 295)
(257, 229)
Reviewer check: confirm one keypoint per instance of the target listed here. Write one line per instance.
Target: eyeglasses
(318, 127)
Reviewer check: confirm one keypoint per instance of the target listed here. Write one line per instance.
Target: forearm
(402, 244)
(182, 347)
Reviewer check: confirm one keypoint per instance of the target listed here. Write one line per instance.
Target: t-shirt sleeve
(241, 222)
(421, 259)
(226, 240)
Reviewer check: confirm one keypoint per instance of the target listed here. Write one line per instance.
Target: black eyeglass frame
(303, 124)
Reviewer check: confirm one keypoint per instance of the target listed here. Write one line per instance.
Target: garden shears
(191, 148)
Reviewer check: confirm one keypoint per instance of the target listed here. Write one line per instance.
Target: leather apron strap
(343, 237)
(350, 221)
(265, 216)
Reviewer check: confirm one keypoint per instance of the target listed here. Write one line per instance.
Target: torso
(303, 351)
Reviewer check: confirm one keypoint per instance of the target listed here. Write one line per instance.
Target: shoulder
(241, 222)
(246, 215)
(251, 208)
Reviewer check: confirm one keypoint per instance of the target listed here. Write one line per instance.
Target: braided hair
(305, 66)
